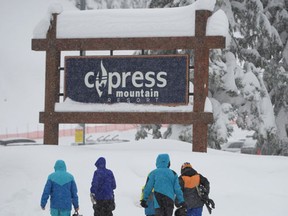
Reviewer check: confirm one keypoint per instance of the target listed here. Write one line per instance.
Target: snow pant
(57, 212)
(164, 211)
(104, 207)
(195, 211)
(166, 205)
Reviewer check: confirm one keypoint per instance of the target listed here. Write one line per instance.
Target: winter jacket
(164, 181)
(103, 182)
(189, 181)
(61, 188)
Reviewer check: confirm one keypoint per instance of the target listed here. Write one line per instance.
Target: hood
(60, 176)
(163, 161)
(101, 163)
(60, 166)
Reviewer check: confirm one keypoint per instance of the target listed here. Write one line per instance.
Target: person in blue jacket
(165, 183)
(62, 190)
(102, 189)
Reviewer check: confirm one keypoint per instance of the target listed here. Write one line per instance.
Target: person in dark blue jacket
(102, 189)
(165, 183)
(62, 190)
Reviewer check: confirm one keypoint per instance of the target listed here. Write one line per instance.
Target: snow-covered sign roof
(125, 23)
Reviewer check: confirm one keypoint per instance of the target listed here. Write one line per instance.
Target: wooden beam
(155, 43)
(127, 117)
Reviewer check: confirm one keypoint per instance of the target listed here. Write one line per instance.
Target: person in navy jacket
(62, 190)
(102, 189)
(166, 185)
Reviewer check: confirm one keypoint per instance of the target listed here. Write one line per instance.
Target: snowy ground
(240, 184)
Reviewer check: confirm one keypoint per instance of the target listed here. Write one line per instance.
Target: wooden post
(52, 83)
(201, 67)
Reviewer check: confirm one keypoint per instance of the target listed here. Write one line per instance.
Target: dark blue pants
(195, 211)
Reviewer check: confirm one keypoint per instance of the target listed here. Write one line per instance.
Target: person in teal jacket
(165, 183)
(62, 190)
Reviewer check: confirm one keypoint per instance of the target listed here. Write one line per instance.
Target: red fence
(70, 132)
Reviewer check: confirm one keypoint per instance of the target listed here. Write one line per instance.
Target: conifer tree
(258, 42)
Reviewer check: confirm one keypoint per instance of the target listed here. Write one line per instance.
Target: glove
(143, 203)
(211, 202)
(76, 213)
(92, 197)
(182, 205)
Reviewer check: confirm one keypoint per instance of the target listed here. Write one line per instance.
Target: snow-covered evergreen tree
(143, 131)
(259, 48)
(276, 78)
(222, 127)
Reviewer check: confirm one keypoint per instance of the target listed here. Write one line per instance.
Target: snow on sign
(161, 79)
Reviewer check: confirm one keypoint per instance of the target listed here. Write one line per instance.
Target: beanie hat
(186, 165)
(187, 169)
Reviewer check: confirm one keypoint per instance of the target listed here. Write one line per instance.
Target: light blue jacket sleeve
(46, 193)
(74, 192)
(149, 186)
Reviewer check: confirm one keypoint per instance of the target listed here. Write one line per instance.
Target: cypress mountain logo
(118, 82)
(100, 82)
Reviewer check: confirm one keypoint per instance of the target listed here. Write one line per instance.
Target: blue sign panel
(129, 79)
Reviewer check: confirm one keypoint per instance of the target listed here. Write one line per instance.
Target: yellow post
(79, 135)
